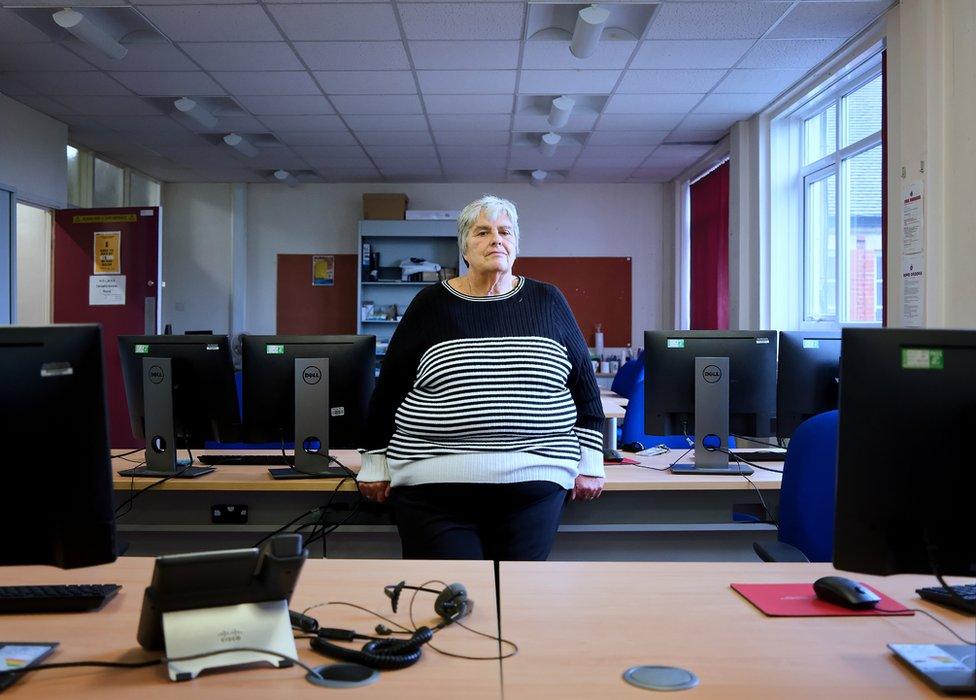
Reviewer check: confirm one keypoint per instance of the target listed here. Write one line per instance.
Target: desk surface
(612, 406)
(620, 477)
(110, 634)
(585, 623)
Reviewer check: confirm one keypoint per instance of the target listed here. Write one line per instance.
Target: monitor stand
(711, 421)
(157, 396)
(312, 413)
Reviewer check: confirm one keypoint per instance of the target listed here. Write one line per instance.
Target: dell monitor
(181, 393)
(905, 480)
(56, 503)
(710, 384)
(312, 390)
(807, 378)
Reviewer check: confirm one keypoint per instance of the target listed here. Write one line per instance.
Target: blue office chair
(628, 376)
(632, 427)
(806, 500)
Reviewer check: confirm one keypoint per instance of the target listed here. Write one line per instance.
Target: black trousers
(513, 522)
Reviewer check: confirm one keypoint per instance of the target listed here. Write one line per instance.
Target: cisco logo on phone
(312, 375)
(711, 374)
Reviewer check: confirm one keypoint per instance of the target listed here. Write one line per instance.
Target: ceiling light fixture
(194, 111)
(286, 177)
(559, 112)
(538, 177)
(589, 27)
(549, 143)
(90, 33)
(241, 145)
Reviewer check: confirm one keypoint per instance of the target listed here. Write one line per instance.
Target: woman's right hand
(377, 491)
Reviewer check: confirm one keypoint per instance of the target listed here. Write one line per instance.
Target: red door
(124, 296)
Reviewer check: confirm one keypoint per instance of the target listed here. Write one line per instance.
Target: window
(96, 182)
(839, 184)
(143, 192)
(108, 185)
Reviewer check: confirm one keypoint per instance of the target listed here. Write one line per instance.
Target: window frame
(87, 178)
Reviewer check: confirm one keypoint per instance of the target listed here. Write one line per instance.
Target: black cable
(741, 460)
(930, 615)
(130, 452)
(758, 442)
(681, 457)
(286, 526)
(146, 488)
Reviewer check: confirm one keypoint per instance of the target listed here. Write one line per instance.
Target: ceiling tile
(408, 164)
(472, 138)
(461, 82)
(307, 122)
(626, 138)
(321, 154)
(240, 124)
(669, 81)
(353, 55)
(470, 104)
(212, 22)
(734, 103)
(680, 153)
(39, 57)
(315, 138)
(693, 135)
(71, 83)
(268, 83)
(377, 104)
(531, 158)
(568, 81)
(828, 19)
(367, 82)
(540, 122)
(789, 53)
(469, 122)
(622, 153)
(638, 122)
(232, 56)
(556, 54)
(474, 173)
(174, 83)
(387, 153)
(660, 103)
(150, 125)
(394, 138)
(14, 28)
(600, 174)
(759, 79)
(716, 53)
(377, 122)
(343, 22)
(473, 152)
(84, 104)
(711, 122)
(464, 21)
(293, 104)
(714, 20)
(48, 105)
(337, 163)
(474, 163)
(149, 57)
(10, 86)
(464, 55)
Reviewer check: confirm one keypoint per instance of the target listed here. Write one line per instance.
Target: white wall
(556, 220)
(33, 158)
(33, 265)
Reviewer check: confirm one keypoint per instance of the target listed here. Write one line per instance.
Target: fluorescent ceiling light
(286, 177)
(589, 27)
(241, 145)
(194, 111)
(90, 33)
(538, 177)
(549, 143)
(559, 112)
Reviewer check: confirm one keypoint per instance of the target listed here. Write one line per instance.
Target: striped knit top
(485, 390)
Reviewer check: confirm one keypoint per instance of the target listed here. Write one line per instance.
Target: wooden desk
(110, 634)
(580, 625)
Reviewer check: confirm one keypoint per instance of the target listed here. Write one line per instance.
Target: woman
(486, 411)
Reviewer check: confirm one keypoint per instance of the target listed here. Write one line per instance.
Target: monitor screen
(56, 503)
(905, 480)
(669, 379)
(205, 403)
(807, 379)
(269, 385)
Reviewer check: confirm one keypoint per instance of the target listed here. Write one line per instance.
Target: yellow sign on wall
(323, 270)
(108, 252)
(103, 218)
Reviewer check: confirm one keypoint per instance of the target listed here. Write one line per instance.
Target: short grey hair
(492, 206)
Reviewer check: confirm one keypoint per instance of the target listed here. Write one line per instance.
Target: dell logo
(711, 374)
(156, 374)
(312, 375)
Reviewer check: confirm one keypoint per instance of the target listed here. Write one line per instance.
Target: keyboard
(249, 460)
(64, 598)
(772, 455)
(940, 596)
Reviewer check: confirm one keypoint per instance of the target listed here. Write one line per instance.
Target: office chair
(806, 500)
(632, 426)
(628, 375)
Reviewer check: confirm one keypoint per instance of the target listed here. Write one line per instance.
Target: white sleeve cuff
(375, 467)
(591, 463)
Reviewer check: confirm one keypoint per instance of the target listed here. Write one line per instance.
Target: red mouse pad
(799, 600)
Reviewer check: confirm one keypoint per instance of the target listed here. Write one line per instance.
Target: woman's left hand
(587, 488)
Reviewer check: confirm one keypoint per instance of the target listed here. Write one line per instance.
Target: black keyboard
(66, 598)
(250, 460)
(760, 455)
(941, 596)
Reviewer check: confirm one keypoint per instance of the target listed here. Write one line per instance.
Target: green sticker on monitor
(213, 346)
(142, 349)
(922, 358)
(274, 349)
(811, 344)
(676, 342)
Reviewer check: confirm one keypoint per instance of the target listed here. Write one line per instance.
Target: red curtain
(710, 250)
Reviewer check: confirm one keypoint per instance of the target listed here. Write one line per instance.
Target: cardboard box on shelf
(384, 205)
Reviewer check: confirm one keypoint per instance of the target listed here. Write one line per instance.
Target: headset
(452, 604)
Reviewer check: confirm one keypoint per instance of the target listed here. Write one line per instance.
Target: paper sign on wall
(106, 290)
(913, 290)
(107, 252)
(323, 270)
(912, 211)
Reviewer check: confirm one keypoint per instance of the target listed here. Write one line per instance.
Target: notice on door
(107, 252)
(106, 290)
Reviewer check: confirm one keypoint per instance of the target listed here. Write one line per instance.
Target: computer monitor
(807, 379)
(710, 384)
(286, 401)
(56, 503)
(181, 392)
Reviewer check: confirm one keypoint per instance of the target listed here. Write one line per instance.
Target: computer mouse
(612, 456)
(845, 592)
